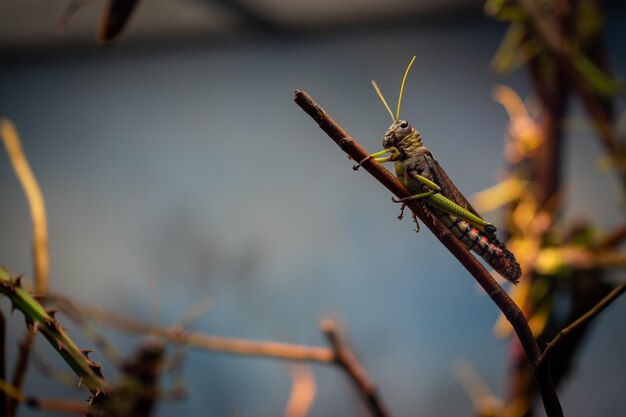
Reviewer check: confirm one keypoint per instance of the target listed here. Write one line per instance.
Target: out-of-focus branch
(604, 303)
(31, 188)
(198, 340)
(44, 322)
(567, 52)
(541, 167)
(485, 403)
(345, 357)
(339, 354)
(44, 404)
(35, 200)
(303, 391)
(21, 365)
(471, 264)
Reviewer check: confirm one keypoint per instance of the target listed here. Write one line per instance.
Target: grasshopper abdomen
(487, 247)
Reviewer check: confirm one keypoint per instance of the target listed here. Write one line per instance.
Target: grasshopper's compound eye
(404, 124)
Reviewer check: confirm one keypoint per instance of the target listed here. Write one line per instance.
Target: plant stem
(544, 359)
(339, 354)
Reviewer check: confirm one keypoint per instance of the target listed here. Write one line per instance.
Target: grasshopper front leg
(377, 157)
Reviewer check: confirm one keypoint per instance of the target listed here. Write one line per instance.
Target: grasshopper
(422, 175)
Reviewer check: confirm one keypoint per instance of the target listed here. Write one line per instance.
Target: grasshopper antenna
(382, 98)
(402, 88)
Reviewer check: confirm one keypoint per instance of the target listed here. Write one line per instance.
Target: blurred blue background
(178, 170)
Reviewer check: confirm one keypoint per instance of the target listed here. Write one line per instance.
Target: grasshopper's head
(402, 136)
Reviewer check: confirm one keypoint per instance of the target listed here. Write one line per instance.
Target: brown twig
(303, 390)
(71, 407)
(344, 357)
(199, 340)
(579, 258)
(339, 354)
(597, 309)
(44, 404)
(61, 406)
(510, 310)
(19, 372)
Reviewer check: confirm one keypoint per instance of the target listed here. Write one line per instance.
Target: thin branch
(340, 353)
(29, 183)
(194, 312)
(303, 391)
(44, 404)
(199, 340)
(345, 357)
(585, 318)
(579, 258)
(19, 372)
(510, 310)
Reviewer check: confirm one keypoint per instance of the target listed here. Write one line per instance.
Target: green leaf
(598, 80)
(513, 51)
(34, 312)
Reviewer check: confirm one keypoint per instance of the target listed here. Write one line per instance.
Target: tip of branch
(299, 95)
(328, 326)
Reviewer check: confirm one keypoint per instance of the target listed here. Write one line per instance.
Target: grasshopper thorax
(402, 136)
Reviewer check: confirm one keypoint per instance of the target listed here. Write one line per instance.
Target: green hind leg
(446, 204)
(434, 188)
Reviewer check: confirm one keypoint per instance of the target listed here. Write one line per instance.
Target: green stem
(87, 370)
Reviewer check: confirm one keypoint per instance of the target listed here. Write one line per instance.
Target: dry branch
(31, 188)
(510, 310)
(21, 366)
(340, 354)
(345, 357)
(303, 391)
(35, 199)
(544, 359)
(197, 340)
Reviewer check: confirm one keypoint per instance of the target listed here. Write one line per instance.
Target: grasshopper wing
(448, 189)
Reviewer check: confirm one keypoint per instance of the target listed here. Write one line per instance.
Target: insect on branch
(508, 307)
